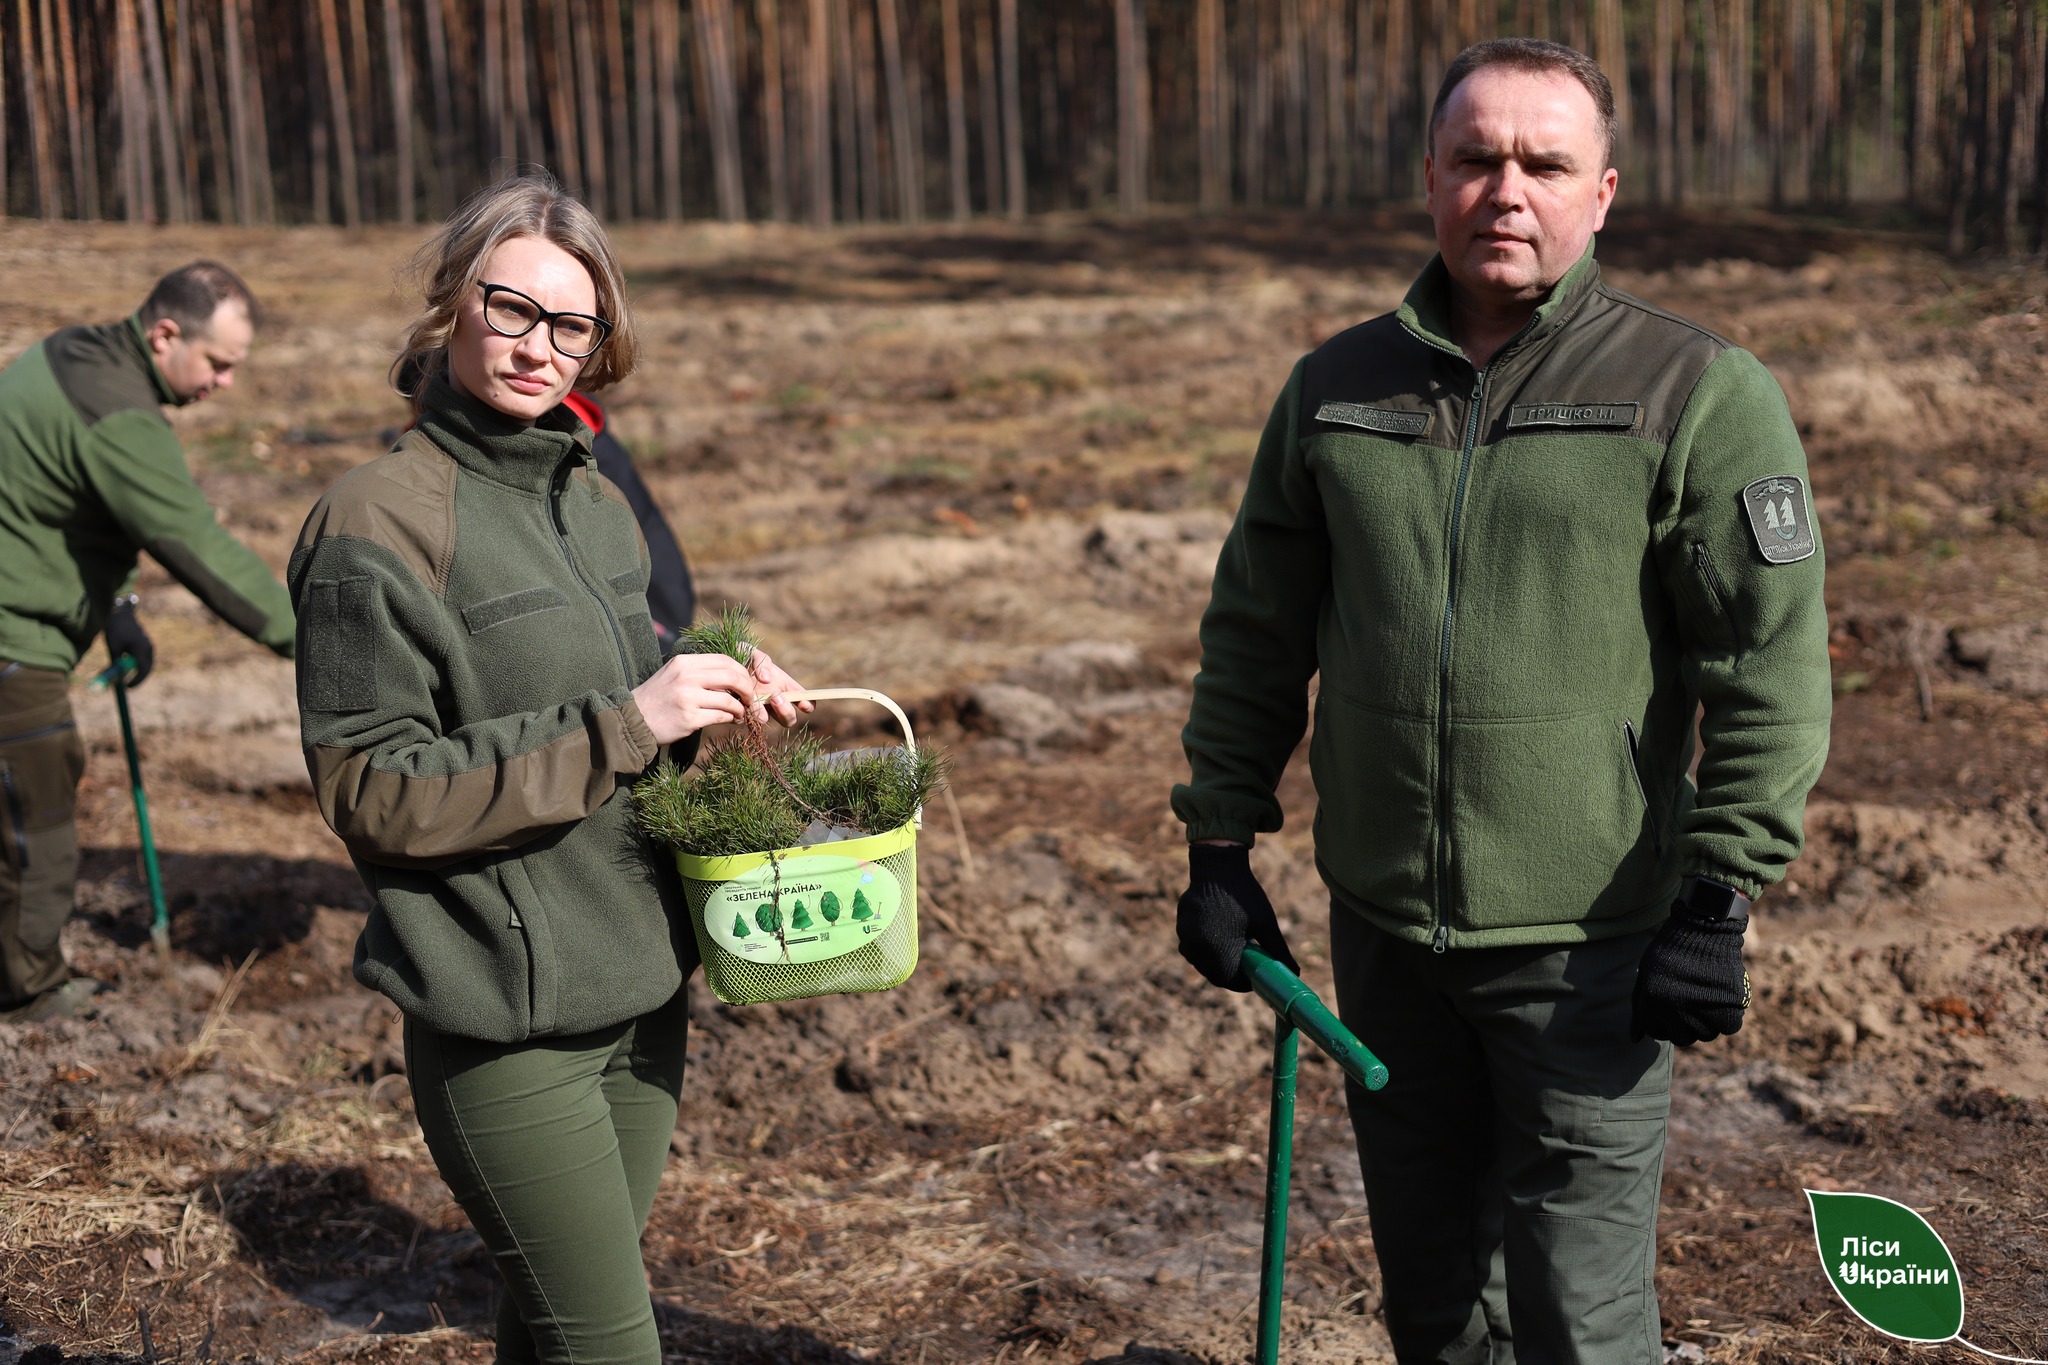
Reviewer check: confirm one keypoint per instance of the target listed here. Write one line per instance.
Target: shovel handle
(1293, 1001)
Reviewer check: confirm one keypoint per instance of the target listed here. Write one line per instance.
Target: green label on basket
(803, 909)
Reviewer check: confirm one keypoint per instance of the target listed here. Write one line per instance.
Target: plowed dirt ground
(987, 470)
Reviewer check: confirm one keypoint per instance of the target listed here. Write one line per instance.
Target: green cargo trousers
(1513, 1161)
(554, 1148)
(41, 762)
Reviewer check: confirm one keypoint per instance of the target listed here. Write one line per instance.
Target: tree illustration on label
(828, 906)
(799, 917)
(739, 926)
(861, 908)
(768, 917)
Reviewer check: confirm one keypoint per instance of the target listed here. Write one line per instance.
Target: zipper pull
(1442, 939)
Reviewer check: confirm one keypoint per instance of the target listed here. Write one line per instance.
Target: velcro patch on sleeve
(497, 611)
(1610, 415)
(338, 671)
(1780, 518)
(1388, 420)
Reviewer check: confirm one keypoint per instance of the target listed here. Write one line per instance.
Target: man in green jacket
(90, 474)
(1524, 528)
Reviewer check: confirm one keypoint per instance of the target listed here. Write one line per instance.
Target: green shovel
(1300, 1012)
(116, 676)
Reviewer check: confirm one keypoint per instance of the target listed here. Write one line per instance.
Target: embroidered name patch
(1779, 518)
(1574, 415)
(1388, 420)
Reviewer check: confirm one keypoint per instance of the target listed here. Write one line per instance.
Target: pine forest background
(828, 111)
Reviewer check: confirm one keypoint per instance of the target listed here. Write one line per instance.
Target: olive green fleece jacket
(473, 619)
(1517, 585)
(91, 473)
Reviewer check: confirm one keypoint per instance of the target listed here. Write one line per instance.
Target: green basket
(818, 920)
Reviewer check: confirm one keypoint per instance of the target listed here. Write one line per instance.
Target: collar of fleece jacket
(491, 445)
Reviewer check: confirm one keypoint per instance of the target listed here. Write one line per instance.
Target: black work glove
(126, 636)
(1223, 909)
(1691, 986)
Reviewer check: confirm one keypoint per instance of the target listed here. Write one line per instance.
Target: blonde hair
(531, 204)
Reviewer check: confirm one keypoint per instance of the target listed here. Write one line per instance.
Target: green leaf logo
(1889, 1266)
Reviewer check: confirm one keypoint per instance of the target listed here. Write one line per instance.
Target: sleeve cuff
(640, 748)
(1741, 881)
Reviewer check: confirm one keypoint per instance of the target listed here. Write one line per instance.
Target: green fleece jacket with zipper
(1519, 584)
(90, 474)
(473, 619)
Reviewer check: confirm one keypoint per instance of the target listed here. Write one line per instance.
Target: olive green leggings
(554, 1147)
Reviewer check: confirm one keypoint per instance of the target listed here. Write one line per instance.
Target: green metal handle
(116, 675)
(1293, 1001)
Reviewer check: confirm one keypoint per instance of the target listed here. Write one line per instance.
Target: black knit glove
(1223, 909)
(125, 635)
(1691, 987)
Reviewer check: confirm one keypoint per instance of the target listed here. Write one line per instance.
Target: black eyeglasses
(512, 314)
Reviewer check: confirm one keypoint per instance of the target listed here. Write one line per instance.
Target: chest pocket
(493, 612)
(636, 620)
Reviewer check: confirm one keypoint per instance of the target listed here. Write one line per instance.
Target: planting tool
(116, 676)
(1300, 1011)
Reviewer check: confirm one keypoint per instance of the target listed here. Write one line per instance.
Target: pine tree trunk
(265, 192)
(1209, 131)
(774, 133)
(400, 76)
(993, 179)
(1887, 93)
(903, 139)
(956, 108)
(43, 168)
(79, 122)
(166, 126)
(1130, 107)
(1663, 77)
(590, 113)
(138, 193)
(362, 103)
(668, 41)
(216, 117)
(558, 88)
(720, 107)
(867, 117)
(1013, 106)
(646, 203)
(338, 111)
(444, 108)
(184, 127)
(818, 112)
(843, 101)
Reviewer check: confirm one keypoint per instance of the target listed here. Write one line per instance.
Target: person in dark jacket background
(671, 597)
(91, 473)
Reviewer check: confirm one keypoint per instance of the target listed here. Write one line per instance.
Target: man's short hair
(1530, 54)
(192, 294)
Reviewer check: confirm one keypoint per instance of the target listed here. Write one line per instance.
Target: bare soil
(987, 470)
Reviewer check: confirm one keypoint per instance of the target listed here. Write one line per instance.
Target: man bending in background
(91, 473)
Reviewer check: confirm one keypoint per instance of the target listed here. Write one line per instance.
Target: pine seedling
(731, 633)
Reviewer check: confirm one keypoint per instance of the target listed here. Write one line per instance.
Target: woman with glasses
(479, 685)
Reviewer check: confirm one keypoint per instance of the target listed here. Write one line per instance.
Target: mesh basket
(819, 920)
